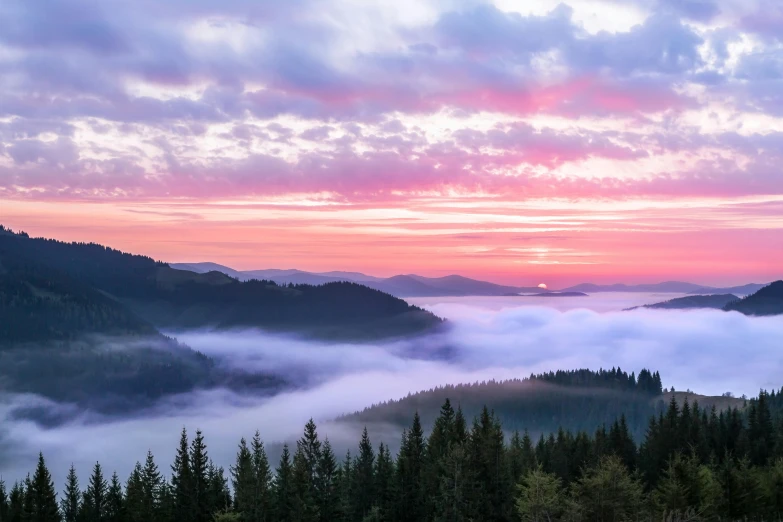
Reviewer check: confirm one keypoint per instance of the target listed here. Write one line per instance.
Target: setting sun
(542, 285)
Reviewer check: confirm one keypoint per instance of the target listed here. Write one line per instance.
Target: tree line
(693, 464)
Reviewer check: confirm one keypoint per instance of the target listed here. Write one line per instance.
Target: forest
(93, 284)
(692, 464)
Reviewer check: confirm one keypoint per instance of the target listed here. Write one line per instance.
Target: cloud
(708, 351)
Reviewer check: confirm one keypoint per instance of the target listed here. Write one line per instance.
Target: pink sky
(515, 142)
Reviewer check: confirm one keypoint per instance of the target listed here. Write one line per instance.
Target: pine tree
(327, 497)
(384, 482)
(152, 483)
(199, 470)
(3, 502)
(410, 467)
(451, 502)
(135, 508)
(539, 497)
(345, 484)
(94, 501)
(182, 482)
(607, 492)
(283, 488)
(218, 494)
(262, 501)
(115, 509)
(45, 507)
(16, 503)
(303, 507)
(71, 501)
(243, 479)
(364, 478)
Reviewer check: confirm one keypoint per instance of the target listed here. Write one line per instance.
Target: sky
(519, 142)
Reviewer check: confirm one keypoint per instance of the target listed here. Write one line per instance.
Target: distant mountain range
(678, 287)
(408, 285)
(767, 301)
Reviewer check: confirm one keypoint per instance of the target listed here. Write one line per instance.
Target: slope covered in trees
(575, 400)
(767, 301)
(172, 299)
(692, 301)
(692, 464)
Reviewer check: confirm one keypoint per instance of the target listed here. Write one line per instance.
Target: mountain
(407, 285)
(168, 298)
(692, 301)
(767, 301)
(739, 290)
(666, 286)
(575, 400)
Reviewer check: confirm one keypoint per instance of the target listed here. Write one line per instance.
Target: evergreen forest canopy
(79, 322)
(578, 400)
(692, 464)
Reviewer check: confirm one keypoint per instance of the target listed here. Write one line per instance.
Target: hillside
(576, 400)
(692, 301)
(767, 301)
(666, 286)
(176, 299)
(408, 285)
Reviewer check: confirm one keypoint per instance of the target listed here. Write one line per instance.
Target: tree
(199, 469)
(303, 508)
(539, 497)
(263, 481)
(45, 507)
(384, 482)
(410, 467)
(72, 497)
(283, 488)
(218, 494)
(327, 496)
(182, 482)
(94, 501)
(364, 478)
(3, 502)
(151, 485)
(135, 508)
(115, 509)
(607, 492)
(243, 479)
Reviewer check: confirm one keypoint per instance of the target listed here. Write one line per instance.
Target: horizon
(514, 142)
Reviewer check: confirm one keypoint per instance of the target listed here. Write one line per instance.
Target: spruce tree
(152, 483)
(199, 470)
(303, 508)
(410, 466)
(16, 503)
(364, 478)
(71, 501)
(135, 496)
(262, 494)
(182, 482)
(384, 482)
(45, 507)
(327, 497)
(115, 508)
(94, 501)
(3, 502)
(539, 497)
(219, 496)
(283, 488)
(345, 484)
(243, 479)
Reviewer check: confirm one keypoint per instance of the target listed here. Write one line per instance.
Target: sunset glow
(510, 141)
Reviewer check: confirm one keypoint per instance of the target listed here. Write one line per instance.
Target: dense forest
(578, 400)
(717, 301)
(767, 301)
(178, 299)
(692, 464)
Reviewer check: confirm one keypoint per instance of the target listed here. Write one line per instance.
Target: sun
(542, 285)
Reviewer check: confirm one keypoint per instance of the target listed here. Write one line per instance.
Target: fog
(707, 351)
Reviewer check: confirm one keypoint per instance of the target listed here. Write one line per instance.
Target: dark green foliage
(692, 465)
(3, 502)
(283, 489)
(94, 502)
(115, 502)
(72, 497)
(767, 301)
(578, 400)
(169, 298)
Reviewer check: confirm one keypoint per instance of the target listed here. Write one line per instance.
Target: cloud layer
(708, 351)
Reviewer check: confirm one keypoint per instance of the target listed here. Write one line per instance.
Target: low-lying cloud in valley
(708, 351)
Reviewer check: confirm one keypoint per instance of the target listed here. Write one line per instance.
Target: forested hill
(575, 400)
(767, 301)
(172, 299)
